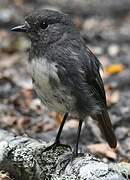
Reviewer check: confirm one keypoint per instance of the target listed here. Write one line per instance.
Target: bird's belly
(57, 98)
(50, 97)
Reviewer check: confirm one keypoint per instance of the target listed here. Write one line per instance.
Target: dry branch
(23, 158)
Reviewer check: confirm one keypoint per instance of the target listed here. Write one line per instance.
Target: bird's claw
(66, 159)
(55, 145)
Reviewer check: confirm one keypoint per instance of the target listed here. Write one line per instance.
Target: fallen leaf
(103, 149)
(58, 119)
(113, 97)
(77, 22)
(113, 69)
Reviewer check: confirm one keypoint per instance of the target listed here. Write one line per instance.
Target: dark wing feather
(98, 87)
(93, 65)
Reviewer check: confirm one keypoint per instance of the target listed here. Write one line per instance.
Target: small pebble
(113, 50)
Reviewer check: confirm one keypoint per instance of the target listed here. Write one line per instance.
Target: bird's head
(45, 26)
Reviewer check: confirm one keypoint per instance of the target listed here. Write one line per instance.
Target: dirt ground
(21, 112)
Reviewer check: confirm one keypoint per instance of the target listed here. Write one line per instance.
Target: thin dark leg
(69, 157)
(77, 139)
(57, 140)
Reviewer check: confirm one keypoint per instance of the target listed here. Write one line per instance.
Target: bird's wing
(93, 68)
(78, 69)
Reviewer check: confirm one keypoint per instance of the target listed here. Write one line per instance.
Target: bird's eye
(44, 25)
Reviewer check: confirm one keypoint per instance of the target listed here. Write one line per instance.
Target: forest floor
(21, 112)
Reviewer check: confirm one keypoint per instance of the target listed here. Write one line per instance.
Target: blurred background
(105, 27)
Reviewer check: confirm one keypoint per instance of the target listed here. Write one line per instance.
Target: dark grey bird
(65, 72)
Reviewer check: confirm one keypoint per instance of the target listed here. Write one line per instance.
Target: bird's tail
(106, 128)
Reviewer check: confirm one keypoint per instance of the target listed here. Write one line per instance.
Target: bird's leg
(57, 140)
(70, 157)
(75, 151)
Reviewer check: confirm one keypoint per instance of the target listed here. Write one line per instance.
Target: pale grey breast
(58, 99)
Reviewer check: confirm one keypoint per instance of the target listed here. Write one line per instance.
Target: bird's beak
(22, 28)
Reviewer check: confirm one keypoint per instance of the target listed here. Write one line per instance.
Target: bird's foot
(55, 145)
(68, 158)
